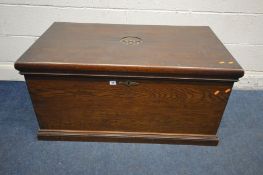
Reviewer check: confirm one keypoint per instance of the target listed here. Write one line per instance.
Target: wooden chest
(129, 83)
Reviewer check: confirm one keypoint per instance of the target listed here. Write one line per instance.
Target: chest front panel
(128, 104)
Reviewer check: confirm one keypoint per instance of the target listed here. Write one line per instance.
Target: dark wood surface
(172, 83)
(98, 48)
(127, 137)
(91, 104)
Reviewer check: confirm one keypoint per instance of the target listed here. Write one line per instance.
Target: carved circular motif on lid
(131, 40)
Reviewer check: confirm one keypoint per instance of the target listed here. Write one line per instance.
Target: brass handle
(128, 83)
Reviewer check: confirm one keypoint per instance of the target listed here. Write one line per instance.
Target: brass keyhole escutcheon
(128, 83)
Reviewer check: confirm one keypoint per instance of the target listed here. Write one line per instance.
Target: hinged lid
(176, 51)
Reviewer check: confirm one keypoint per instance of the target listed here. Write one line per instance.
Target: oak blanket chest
(129, 83)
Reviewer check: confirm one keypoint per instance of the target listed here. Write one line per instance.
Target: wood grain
(180, 51)
(127, 137)
(171, 87)
(78, 103)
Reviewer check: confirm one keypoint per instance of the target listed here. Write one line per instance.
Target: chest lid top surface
(179, 51)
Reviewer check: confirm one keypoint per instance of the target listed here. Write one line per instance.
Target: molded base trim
(127, 137)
